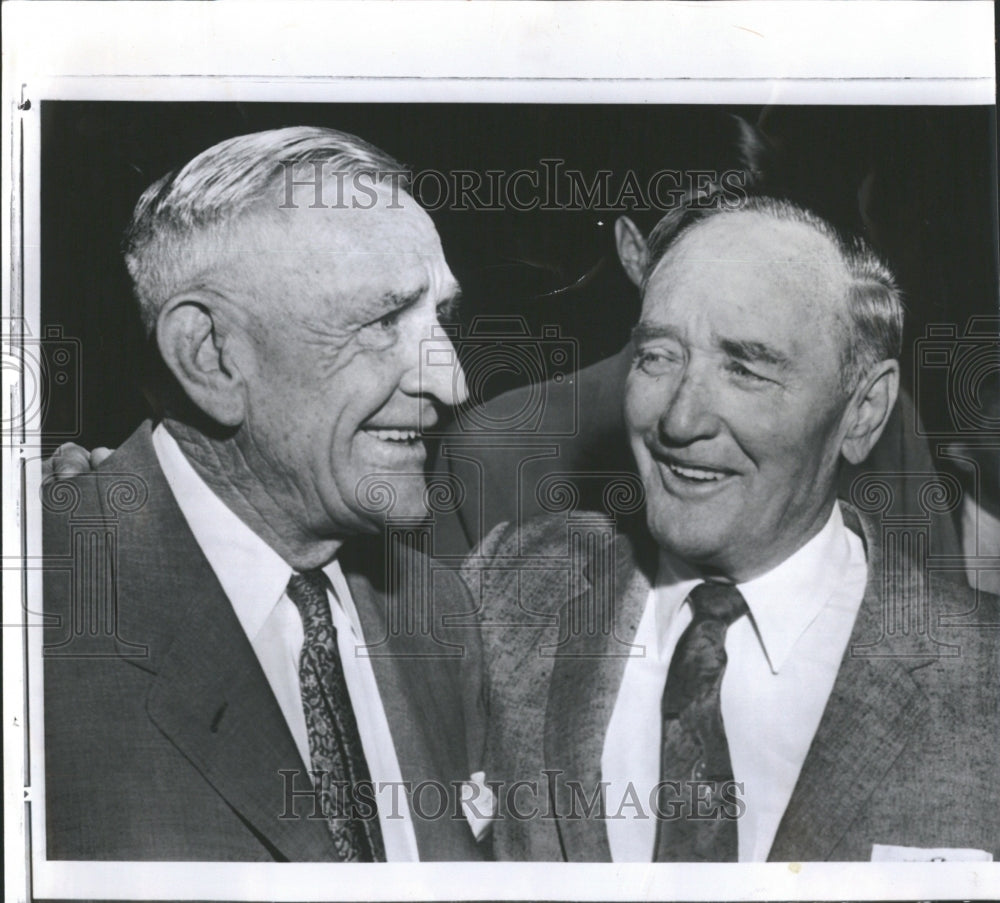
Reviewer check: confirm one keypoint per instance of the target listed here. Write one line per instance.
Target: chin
(386, 496)
(671, 534)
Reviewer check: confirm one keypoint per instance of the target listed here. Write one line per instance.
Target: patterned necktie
(338, 759)
(696, 801)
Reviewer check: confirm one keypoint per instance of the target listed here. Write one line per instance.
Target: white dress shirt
(254, 578)
(782, 662)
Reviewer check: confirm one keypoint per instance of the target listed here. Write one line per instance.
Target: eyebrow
(755, 352)
(395, 301)
(645, 332)
(392, 301)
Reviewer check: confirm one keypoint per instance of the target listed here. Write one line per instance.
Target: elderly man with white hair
(750, 668)
(274, 710)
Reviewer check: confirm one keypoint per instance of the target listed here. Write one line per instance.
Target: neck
(266, 505)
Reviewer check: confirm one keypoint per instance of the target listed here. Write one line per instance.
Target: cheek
(641, 404)
(276, 412)
(341, 423)
(800, 442)
(349, 398)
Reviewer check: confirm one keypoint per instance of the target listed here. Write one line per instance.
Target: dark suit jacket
(906, 751)
(579, 431)
(163, 740)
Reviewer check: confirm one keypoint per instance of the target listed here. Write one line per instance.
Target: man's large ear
(869, 410)
(632, 250)
(200, 357)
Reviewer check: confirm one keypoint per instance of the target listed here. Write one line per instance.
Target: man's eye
(386, 322)
(654, 361)
(740, 371)
(381, 333)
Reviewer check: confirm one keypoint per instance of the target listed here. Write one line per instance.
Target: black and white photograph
(475, 490)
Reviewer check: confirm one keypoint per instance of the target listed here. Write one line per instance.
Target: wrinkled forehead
(758, 251)
(363, 218)
(369, 226)
(339, 258)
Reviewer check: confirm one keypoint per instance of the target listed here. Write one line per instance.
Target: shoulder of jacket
(541, 536)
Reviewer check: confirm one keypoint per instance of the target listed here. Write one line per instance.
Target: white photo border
(864, 52)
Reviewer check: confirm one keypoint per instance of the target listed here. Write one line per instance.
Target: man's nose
(438, 372)
(690, 413)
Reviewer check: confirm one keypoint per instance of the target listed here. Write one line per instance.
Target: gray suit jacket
(905, 754)
(163, 739)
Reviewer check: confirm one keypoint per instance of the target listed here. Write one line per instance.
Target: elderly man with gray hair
(751, 668)
(263, 703)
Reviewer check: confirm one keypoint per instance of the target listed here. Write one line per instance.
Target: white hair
(179, 221)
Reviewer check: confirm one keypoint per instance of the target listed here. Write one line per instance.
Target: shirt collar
(784, 601)
(253, 576)
(674, 581)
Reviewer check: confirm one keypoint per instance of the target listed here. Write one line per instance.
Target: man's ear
(200, 358)
(632, 250)
(869, 410)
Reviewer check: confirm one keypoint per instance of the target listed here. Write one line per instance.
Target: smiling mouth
(396, 436)
(696, 474)
(684, 473)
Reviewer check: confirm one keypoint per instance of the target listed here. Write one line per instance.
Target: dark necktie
(338, 759)
(696, 808)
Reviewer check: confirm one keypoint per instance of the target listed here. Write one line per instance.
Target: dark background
(930, 211)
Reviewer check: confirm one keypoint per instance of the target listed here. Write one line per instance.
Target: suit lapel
(212, 700)
(584, 686)
(874, 708)
(210, 697)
